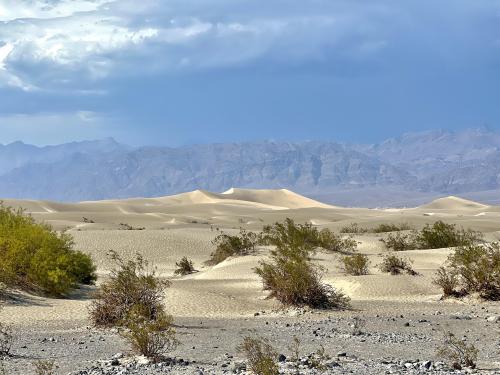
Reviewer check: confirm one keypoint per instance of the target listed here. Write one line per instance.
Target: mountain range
(398, 171)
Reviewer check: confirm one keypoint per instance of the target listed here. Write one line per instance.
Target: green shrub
(261, 356)
(440, 234)
(227, 245)
(150, 337)
(457, 352)
(396, 265)
(305, 238)
(472, 269)
(132, 286)
(184, 267)
(356, 264)
(435, 236)
(383, 228)
(290, 276)
(35, 257)
(399, 241)
(334, 243)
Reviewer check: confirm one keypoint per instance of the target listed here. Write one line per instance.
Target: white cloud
(61, 41)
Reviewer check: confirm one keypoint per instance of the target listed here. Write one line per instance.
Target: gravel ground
(390, 338)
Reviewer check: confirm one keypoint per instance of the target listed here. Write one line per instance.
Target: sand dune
(185, 224)
(453, 203)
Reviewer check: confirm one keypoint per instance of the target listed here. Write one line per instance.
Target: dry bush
(184, 267)
(457, 352)
(5, 340)
(353, 228)
(261, 356)
(150, 337)
(132, 285)
(396, 265)
(384, 228)
(472, 269)
(357, 326)
(227, 245)
(447, 280)
(45, 367)
(356, 264)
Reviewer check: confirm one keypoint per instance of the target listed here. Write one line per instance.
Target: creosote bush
(305, 237)
(399, 241)
(261, 356)
(290, 276)
(396, 265)
(132, 300)
(472, 269)
(34, 257)
(132, 286)
(435, 236)
(356, 264)
(457, 352)
(228, 245)
(150, 337)
(45, 367)
(184, 267)
(353, 228)
(384, 228)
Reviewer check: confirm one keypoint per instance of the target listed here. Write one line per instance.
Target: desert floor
(216, 307)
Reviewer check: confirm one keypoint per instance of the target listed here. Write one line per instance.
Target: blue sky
(176, 72)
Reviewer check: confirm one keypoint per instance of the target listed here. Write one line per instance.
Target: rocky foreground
(387, 338)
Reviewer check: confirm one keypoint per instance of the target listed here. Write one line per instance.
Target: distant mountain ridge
(435, 162)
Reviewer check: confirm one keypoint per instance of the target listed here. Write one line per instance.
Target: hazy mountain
(428, 163)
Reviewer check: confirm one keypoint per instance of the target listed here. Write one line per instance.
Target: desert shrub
(261, 356)
(35, 257)
(435, 236)
(184, 267)
(457, 352)
(399, 241)
(383, 228)
(45, 367)
(290, 276)
(335, 243)
(472, 269)
(353, 228)
(447, 280)
(357, 326)
(440, 234)
(132, 285)
(125, 226)
(356, 264)
(149, 337)
(305, 238)
(227, 245)
(396, 265)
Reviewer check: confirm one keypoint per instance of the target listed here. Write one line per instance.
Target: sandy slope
(185, 224)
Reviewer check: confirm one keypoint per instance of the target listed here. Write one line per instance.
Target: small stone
(282, 358)
(493, 319)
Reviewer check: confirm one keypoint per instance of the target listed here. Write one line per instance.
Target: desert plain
(402, 317)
